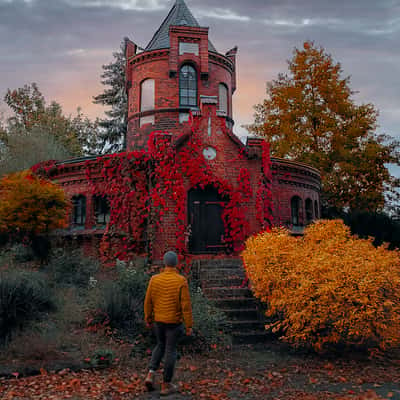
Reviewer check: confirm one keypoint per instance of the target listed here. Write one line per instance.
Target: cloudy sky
(62, 44)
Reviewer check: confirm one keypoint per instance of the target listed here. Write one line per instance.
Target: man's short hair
(170, 259)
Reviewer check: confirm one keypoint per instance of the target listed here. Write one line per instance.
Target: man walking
(166, 306)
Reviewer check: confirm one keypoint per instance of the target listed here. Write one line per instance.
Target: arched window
(101, 210)
(295, 205)
(187, 86)
(309, 210)
(147, 100)
(316, 209)
(79, 210)
(223, 98)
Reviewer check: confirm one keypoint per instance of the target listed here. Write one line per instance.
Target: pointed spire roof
(179, 15)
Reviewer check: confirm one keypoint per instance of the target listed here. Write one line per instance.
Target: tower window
(295, 204)
(223, 98)
(147, 102)
(187, 86)
(79, 210)
(101, 210)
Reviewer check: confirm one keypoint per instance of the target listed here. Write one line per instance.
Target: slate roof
(179, 15)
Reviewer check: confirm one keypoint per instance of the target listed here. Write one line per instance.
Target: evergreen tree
(310, 116)
(113, 132)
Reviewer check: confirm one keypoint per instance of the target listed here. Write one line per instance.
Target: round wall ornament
(209, 153)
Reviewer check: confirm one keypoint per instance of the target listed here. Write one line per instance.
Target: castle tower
(178, 71)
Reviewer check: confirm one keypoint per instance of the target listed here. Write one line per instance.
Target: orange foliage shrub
(30, 205)
(328, 289)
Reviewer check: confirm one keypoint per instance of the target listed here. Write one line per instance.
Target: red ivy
(142, 185)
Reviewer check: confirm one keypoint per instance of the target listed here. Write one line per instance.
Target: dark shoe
(149, 381)
(167, 389)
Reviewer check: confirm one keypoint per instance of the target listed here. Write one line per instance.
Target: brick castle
(177, 82)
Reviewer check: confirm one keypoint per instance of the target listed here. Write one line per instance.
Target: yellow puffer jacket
(168, 299)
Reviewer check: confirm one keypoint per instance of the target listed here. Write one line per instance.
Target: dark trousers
(167, 336)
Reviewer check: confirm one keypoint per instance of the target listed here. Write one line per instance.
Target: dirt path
(269, 372)
(273, 372)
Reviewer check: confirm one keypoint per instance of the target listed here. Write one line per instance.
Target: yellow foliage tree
(329, 289)
(30, 205)
(310, 115)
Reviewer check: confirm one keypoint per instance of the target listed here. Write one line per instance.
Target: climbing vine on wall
(145, 187)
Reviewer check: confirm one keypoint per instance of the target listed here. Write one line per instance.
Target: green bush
(22, 253)
(122, 300)
(72, 267)
(101, 358)
(24, 296)
(209, 324)
(121, 306)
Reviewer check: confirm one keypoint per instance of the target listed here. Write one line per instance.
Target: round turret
(168, 79)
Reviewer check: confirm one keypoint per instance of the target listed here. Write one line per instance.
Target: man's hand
(189, 331)
(149, 325)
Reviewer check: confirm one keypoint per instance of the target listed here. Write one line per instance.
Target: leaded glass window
(187, 86)
(223, 98)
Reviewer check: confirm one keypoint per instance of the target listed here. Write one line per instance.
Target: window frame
(222, 84)
(79, 205)
(147, 108)
(149, 119)
(188, 104)
(316, 209)
(294, 217)
(101, 209)
(309, 210)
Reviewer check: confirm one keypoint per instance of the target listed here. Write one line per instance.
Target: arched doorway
(205, 207)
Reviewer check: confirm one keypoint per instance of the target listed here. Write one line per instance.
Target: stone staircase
(222, 283)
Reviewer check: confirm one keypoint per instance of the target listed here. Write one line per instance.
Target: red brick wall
(293, 179)
(225, 166)
(156, 65)
(289, 178)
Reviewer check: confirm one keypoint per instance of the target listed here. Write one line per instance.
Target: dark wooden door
(205, 208)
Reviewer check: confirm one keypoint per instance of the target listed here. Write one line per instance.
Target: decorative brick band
(169, 110)
(148, 56)
(288, 165)
(299, 184)
(159, 111)
(221, 60)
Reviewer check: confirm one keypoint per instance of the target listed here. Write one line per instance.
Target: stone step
(223, 282)
(246, 325)
(224, 293)
(224, 263)
(234, 302)
(251, 337)
(222, 273)
(241, 313)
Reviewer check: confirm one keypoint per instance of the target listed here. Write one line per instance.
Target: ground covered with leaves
(270, 371)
